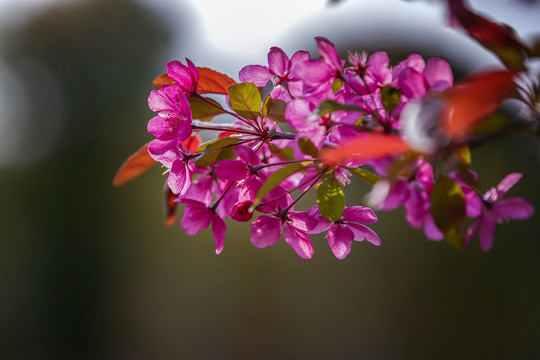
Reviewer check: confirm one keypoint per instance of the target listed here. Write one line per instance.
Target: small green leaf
(211, 150)
(276, 178)
(226, 154)
(274, 109)
(267, 89)
(365, 175)
(329, 106)
(245, 100)
(285, 154)
(331, 199)
(337, 85)
(492, 123)
(307, 147)
(512, 57)
(448, 209)
(463, 154)
(203, 111)
(390, 98)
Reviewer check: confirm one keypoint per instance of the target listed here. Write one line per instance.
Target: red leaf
(213, 82)
(480, 95)
(483, 29)
(134, 166)
(192, 143)
(501, 39)
(226, 134)
(162, 81)
(366, 147)
(170, 206)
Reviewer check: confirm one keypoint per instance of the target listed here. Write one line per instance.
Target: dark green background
(88, 271)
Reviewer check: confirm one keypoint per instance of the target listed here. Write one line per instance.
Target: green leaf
(211, 150)
(204, 111)
(331, 199)
(267, 89)
(463, 154)
(274, 109)
(390, 98)
(365, 175)
(448, 209)
(512, 57)
(285, 154)
(276, 178)
(245, 100)
(337, 85)
(307, 147)
(329, 106)
(492, 123)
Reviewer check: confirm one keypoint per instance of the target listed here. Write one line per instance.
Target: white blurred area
(226, 35)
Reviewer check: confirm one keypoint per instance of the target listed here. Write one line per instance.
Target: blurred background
(88, 271)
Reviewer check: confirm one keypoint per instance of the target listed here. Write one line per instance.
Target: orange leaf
(365, 147)
(170, 206)
(192, 143)
(213, 82)
(162, 81)
(480, 95)
(134, 166)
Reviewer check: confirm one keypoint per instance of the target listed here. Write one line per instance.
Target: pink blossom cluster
(283, 117)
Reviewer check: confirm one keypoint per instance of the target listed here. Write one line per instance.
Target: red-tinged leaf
(226, 134)
(192, 143)
(501, 39)
(170, 206)
(213, 82)
(134, 166)
(162, 81)
(479, 96)
(366, 147)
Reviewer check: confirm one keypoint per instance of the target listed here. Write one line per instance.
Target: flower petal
(256, 74)
(218, 228)
(247, 154)
(158, 126)
(362, 232)
(507, 183)
(265, 231)
(179, 179)
(512, 209)
(234, 170)
(278, 61)
(438, 74)
(195, 219)
(298, 240)
(339, 240)
(488, 224)
(360, 214)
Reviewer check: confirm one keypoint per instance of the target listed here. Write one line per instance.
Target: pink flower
(197, 216)
(319, 76)
(497, 211)
(343, 232)
(266, 231)
(185, 77)
(280, 67)
(236, 170)
(415, 78)
(414, 194)
(173, 123)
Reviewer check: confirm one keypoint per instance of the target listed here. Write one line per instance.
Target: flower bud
(240, 211)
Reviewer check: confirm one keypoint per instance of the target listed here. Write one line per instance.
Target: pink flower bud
(240, 211)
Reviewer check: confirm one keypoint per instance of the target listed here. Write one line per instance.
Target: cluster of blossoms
(300, 124)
